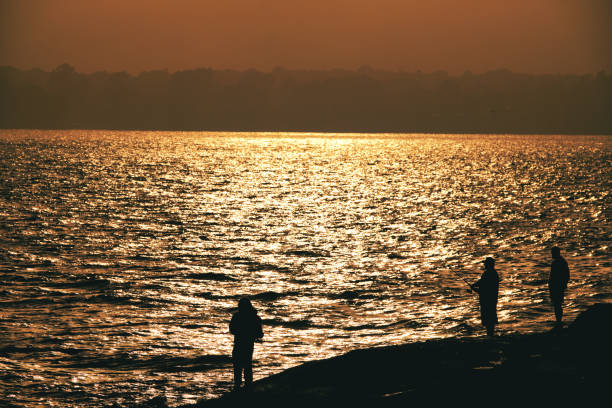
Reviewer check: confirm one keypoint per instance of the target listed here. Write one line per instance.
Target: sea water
(123, 254)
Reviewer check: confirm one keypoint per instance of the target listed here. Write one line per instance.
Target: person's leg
(248, 365)
(237, 375)
(558, 306)
(248, 374)
(488, 315)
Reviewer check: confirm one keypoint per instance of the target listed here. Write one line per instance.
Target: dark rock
(157, 402)
(558, 368)
(594, 323)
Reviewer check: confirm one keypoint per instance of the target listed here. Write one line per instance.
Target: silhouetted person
(488, 288)
(557, 282)
(246, 328)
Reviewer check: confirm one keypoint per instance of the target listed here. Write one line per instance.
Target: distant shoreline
(364, 100)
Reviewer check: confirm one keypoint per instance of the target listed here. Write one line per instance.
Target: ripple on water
(123, 254)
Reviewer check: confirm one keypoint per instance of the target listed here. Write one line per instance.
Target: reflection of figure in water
(246, 328)
(488, 288)
(557, 282)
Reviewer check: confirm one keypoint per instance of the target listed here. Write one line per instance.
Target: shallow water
(123, 254)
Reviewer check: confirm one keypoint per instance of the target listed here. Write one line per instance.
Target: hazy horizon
(365, 100)
(544, 37)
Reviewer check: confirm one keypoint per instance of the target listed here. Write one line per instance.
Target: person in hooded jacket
(246, 328)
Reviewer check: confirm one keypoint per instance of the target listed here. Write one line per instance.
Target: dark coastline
(561, 367)
(363, 101)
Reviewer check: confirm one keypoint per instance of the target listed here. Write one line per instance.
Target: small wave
(600, 296)
(236, 258)
(405, 324)
(535, 282)
(206, 295)
(598, 284)
(99, 265)
(271, 296)
(152, 286)
(59, 298)
(140, 301)
(159, 268)
(209, 223)
(90, 281)
(353, 294)
(395, 256)
(256, 266)
(463, 328)
(27, 302)
(307, 253)
(166, 364)
(361, 327)
(290, 324)
(141, 257)
(211, 276)
(41, 264)
(232, 240)
(8, 350)
(172, 222)
(534, 311)
(194, 326)
(211, 249)
(19, 278)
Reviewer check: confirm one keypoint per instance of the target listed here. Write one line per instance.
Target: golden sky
(535, 36)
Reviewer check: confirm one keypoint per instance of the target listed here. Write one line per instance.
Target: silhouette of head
(245, 306)
(489, 262)
(555, 252)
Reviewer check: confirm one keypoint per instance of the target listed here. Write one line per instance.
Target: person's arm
(232, 325)
(259, 334)
(476, 285)
(551, 272)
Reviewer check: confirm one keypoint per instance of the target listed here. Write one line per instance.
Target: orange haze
(535, 36)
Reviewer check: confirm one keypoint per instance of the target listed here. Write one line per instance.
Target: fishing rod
(462, 276)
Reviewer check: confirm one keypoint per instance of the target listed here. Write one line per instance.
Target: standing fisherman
(557, 283)
(488, 287)
(246, 328)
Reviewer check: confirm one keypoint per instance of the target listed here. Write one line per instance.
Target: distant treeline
(364, 100)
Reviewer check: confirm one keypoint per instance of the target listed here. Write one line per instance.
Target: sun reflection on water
(127, 252)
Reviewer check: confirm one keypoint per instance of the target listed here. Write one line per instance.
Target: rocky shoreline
(561, 367)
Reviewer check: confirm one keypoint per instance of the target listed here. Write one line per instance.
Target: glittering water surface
(123, 254)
